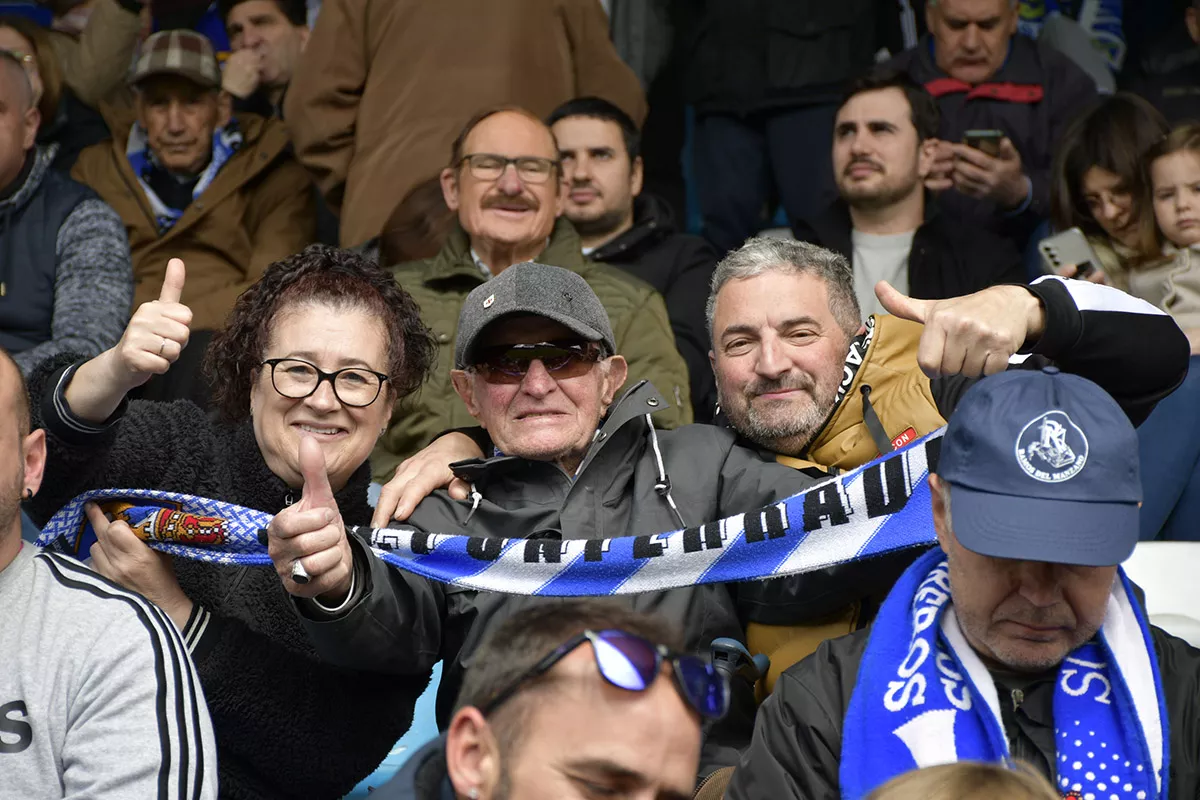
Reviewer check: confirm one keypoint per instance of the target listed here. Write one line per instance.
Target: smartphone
(1069, 247)
(987, 141)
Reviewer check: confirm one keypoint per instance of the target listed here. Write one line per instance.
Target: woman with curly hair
(322, 347)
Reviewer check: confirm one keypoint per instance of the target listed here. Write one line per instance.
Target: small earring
(28, 494)
(473, 794)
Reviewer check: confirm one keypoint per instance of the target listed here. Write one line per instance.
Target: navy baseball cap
(1042, 466)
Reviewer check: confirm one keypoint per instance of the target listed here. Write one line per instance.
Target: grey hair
(765, 254)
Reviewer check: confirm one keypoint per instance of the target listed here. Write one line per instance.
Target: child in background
(1174, 286)
(967, 780)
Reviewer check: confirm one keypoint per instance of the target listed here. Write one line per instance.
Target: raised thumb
(899, 304)
(173, 281)
(317, 492)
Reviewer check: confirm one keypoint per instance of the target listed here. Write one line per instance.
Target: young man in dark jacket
(1017, 638)
(885, 223)
(600, 148)
(986, 77)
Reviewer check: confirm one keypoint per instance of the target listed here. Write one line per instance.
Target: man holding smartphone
(1013, 95)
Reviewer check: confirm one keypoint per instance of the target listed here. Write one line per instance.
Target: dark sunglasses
(510, 362)
(632, 663)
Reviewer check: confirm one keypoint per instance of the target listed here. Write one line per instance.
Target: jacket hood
(42, 159)
(653, 221)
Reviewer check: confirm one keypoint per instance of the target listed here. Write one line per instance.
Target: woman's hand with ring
(311, 534)
(155, 336)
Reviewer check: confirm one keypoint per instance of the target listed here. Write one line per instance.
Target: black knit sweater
(287, 725)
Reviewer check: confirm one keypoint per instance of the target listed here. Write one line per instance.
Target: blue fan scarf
(879, 508)
(923, 697)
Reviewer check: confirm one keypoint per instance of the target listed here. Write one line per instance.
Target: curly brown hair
(317, 274)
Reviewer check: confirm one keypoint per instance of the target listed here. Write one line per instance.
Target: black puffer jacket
(680, 267)
(287, 725)
(1033, 97)
(946, 260)
(797, 743)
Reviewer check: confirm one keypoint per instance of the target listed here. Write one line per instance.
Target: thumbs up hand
(155, 335)
(973, 335)
(308, 539)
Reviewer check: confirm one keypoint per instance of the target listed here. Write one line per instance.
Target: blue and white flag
(879, 508)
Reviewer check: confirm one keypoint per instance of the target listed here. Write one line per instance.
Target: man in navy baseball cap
(1017, 638)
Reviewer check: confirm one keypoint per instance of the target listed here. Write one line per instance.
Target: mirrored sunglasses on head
(632, 663)
(509, 363)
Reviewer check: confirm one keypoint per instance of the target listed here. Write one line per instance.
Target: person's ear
(464, 386)
(636, 176)
(32, 121)
(1192, 18)
(450, 188)
(926, 157)
(34, 450)
(224, 109)
(614, 378)
(472, 754)
(303, 33)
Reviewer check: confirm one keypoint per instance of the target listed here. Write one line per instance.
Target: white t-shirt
(879, 258)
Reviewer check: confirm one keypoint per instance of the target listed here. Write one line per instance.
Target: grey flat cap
(530, 288)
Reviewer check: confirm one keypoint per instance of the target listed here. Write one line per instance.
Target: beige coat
(386, 85)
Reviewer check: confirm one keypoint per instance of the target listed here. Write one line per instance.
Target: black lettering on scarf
(420, 543)
(886, 488)
(538, 550)
(828, 502)
(706, 537)
(15, 727)
(595, 549)
(766, 523)
(484, 548)
(649, 546)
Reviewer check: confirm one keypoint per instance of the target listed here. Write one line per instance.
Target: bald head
(14, 395)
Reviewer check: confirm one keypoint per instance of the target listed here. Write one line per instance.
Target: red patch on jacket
(909, 435)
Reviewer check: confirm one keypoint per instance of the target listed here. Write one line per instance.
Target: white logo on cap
(1052, 448)
(491, 298)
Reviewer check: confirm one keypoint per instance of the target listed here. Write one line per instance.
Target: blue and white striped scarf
(923, 697)
(878, 508)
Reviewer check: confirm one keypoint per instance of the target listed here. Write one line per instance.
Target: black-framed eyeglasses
(490, 166)
(632, 663)
(296, 379)
(508, 363)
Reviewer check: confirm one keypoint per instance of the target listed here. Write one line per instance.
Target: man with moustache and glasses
(883, 151)
(505, 183)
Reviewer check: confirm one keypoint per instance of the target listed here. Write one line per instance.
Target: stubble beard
(783, 426)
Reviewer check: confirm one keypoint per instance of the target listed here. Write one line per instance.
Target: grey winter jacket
(401, 623)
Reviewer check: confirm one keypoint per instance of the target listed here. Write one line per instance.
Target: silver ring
(162, 346)
(299, 573)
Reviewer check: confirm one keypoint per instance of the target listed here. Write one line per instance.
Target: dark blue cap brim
(1037, 529)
